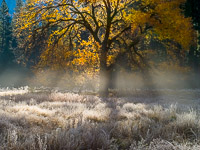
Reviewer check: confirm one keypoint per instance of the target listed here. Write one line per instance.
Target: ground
(39, 119)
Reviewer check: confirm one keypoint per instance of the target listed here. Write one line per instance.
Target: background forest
(37, 43)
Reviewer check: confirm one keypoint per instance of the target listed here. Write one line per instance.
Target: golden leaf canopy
(109, 23)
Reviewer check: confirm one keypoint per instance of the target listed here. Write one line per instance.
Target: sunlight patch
(14, 91)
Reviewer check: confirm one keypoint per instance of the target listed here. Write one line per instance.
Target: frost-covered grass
(48, 120)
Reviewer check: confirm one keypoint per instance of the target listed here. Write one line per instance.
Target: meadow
(40, 119)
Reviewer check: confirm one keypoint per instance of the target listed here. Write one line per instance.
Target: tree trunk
(104, 74)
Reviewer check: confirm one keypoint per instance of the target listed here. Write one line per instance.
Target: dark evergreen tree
(18, 51)
(192, 9)
(28, 52)
(19, 4)
(6, 54)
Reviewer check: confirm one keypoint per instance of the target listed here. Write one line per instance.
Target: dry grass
(65, 121)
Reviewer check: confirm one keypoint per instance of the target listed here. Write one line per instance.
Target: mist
(123, 81)
(14, 76)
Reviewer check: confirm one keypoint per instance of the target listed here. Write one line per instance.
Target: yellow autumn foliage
(111, 25)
